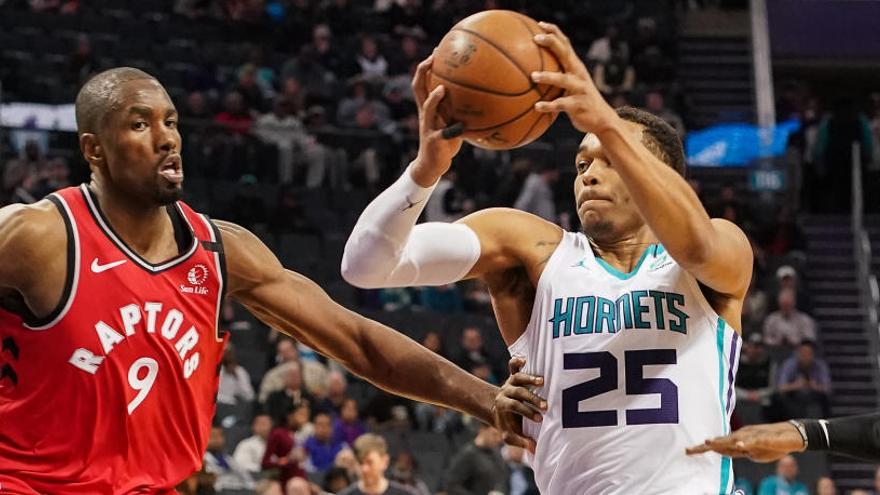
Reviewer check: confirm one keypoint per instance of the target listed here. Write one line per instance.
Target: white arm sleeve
(387, 249)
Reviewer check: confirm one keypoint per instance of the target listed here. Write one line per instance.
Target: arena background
(295, 113)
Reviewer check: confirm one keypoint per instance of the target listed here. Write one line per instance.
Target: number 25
(636, 384)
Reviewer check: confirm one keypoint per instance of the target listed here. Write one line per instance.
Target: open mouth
(172, 169)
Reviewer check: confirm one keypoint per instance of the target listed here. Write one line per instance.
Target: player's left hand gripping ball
(582, 101)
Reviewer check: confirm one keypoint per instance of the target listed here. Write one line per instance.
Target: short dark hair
(98, 96)
(659, 137)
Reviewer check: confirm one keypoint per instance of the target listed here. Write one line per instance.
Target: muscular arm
(296, 306)
(33, 235)
(715, 251)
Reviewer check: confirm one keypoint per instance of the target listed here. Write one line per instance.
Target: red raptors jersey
(114, 392)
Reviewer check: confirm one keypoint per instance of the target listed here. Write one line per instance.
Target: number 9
(142, 385)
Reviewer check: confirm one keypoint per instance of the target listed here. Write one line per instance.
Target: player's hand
(438, 144)
(760, 443)
(515, 401)
(582, 101)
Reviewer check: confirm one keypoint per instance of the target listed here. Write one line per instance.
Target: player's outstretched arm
(387, 249)
(296, 306)
(715, 251)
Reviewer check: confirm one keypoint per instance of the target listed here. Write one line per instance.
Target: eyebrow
(148, 111)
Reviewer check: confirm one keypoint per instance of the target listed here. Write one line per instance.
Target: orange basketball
(485, 62)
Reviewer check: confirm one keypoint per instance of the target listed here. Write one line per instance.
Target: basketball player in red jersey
(110, 294)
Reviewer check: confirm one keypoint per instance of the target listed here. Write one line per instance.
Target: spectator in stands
(756, 376)
(784, 482)
(284, 451)
(325, 52)
(273, 380)
(787, 278)
(408, 53)
(404, 15)
(649, 56)
(432, 342)
(537, 193)
(333, 393)
(395, 298)
(825, 486)
(730, 206)
(289, 215)
(615, 76)
(336, 480)
(656, 104)
(476, 296)
(348, 426)
(442, 298)
(248, 208)
(319, 82)
(280, 402)
(322, 447)
(522, 478)
(876, 490)
(31, 162)
(82, 62)
(249, 89)
(235, 382)
(785, 237)
(473, 354)
(788, 327)
(372, 455)
(804, 383)
(196, 107)
(235, 116)
(478, 468)
(755, 307)
(295, 95)
(283, 129)
(298, 486)
(601, 49)
(404, 470)
(837, 132)
(249, 452)
(341, 16)
(231, 478)
(448, 203)
(512, 182)
(346, 460)
(371, 64)
(397, 96)
(264, 74)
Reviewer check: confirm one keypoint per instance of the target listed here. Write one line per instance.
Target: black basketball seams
(479, 88)
(532, 128)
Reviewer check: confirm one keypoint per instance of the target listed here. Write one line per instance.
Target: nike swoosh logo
(98, 268)
(411, 204)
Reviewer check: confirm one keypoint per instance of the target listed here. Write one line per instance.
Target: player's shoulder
(30, 226)
(514, 223)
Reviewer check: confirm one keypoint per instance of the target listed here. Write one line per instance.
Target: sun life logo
(197, 274)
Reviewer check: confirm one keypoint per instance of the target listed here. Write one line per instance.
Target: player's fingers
(525, 380)
(549, 27)
(515, 364)
(525, 395)
(429, 111)
(511, 438)
(516, 407)
(563, 104)
(697, 449)
(567, 81)
(420, 90)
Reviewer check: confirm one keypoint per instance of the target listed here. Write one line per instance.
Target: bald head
(100, 95)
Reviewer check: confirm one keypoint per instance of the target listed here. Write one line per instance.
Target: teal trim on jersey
(623, 276)
(660, 250)
(725, 461)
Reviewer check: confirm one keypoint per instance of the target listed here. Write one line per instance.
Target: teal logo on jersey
(638, 309)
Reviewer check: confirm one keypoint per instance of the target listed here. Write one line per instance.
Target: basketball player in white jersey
(633, 323)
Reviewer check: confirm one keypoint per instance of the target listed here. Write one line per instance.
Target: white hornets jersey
(637, 367)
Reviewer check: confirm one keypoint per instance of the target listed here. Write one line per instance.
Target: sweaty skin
(136, 169)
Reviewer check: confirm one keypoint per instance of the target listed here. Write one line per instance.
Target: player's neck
(139, 225)
(624, 252)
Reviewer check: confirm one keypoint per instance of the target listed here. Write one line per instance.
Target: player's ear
(91, 148)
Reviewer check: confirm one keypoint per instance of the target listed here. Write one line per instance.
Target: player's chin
(168, 193)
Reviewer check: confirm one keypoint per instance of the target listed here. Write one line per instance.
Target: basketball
(485, 62)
